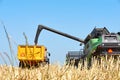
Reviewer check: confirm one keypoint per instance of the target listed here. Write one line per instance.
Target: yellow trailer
(32, 55)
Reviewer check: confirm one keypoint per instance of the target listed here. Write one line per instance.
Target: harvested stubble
(107, 70)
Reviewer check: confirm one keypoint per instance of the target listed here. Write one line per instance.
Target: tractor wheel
(21, 64)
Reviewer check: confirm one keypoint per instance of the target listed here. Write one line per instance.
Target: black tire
(21, 64)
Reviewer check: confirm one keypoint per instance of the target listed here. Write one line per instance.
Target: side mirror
(48, 53)
(81, 44)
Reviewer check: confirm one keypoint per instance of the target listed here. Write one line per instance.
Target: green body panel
(119, 37)
(95, 43)
(92, 45)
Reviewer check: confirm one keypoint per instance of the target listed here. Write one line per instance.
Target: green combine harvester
(99, 42)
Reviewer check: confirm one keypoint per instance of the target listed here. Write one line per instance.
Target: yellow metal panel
(39, 53)
(21, 52)
(31, 52)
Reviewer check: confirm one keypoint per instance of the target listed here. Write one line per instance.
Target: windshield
(110, 38)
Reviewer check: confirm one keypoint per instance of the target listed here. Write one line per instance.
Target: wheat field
(107, 70)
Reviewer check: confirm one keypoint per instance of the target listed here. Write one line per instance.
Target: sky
(74, 17)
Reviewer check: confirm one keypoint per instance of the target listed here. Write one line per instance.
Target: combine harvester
(99, 42)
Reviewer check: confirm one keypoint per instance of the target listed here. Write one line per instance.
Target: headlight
(102, 44)
(119, 44)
